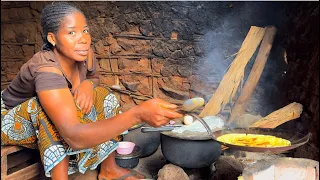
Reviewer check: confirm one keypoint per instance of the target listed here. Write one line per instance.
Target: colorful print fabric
(28, 125)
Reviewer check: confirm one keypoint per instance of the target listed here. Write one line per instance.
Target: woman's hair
(51, 18)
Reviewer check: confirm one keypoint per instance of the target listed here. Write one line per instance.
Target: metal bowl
(130, 160)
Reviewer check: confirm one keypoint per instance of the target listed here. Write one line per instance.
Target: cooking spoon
(186, 108)
(190, 105)
(171, 127)
(203, 122)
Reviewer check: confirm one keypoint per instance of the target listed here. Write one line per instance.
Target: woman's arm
(60, 107)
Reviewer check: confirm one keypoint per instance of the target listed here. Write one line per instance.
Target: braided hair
(51, 18)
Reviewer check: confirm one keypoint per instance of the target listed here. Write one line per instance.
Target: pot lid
(190, 135)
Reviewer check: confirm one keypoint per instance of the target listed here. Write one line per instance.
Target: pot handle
(159, 129)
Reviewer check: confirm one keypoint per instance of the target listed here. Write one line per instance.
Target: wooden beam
(26, 173)
(276, 118)
(254, 75)
(231, 80)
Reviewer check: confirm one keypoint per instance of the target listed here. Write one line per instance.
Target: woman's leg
(108, 107)
(110, 170)
(27, 125)
(60, 171)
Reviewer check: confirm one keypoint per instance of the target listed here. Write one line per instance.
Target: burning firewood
(276, 118)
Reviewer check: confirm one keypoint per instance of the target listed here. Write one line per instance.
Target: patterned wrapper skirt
(28, 125)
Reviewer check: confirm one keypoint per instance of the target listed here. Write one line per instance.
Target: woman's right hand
(156, 112)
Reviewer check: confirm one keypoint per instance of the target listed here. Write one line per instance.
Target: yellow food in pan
(253, 140)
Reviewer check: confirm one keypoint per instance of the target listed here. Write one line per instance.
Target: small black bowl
(129, 160)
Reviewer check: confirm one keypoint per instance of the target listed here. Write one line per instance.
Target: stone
(13, 13)
(126, 102)
(105, 64)
(107, 80)
(134, 45)
(144, 85)
(8, 34)
(200, 86)
(146, 28)
(185, 69)
(24, 13)
(226, 168)
(176, 82)
(5, 14)
(198, 51)
(3, 65)
(142, 65)
(169, 68)
(115, 48)
(160, 49)
(111, 27)
(157, 92)
(177, 54)
(283, 168)
(99, 48)
(157, 64)
(12, 50)
(172, 172)
(176, 94)
(188, 51)
(132, 86)
(28, 50)
(110, 40)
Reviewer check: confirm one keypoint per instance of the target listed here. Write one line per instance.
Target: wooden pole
(231, 80)
(254, 75)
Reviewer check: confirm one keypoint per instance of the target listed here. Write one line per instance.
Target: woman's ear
(51, 38)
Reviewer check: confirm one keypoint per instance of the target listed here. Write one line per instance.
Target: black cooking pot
(190, 153)
(148, 143)
(187, 152)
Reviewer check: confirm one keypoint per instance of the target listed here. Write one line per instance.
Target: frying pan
(297, 139)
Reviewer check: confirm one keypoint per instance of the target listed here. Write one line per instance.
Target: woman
(52, 105)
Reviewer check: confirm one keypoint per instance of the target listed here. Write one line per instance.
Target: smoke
(222, 42)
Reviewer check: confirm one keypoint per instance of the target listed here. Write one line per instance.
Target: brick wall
(150, 49)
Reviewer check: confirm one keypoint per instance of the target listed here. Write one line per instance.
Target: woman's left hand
(84, 96)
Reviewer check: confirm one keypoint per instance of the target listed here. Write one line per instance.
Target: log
(276, 118)
(254, 75)
(231, 80)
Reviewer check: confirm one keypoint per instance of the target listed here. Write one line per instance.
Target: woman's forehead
(72, 20)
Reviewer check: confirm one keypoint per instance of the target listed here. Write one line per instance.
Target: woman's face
(73, 37)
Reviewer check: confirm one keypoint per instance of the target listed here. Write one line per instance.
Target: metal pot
(190, 153)
(148, 143)
(187, 152)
